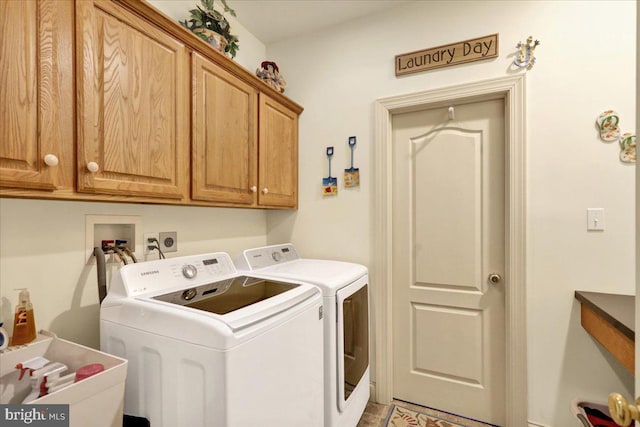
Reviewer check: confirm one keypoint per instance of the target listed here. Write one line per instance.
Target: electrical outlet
(146, 242)
(169, 241)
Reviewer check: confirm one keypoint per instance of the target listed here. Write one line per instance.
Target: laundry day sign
(445, 56)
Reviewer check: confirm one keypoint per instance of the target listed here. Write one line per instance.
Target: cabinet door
(132, 104)
(36, 91)
(224, 136)
(278, 155)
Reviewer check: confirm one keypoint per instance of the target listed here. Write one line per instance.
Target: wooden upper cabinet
(36, 103)
(133, 105)
(278, 155)
(224, 157)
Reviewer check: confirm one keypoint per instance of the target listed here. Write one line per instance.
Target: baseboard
(532, 424)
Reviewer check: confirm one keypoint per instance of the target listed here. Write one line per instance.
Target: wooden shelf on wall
(610, 319)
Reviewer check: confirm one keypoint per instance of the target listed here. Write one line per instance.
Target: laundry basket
(96, 401)
(579, 408)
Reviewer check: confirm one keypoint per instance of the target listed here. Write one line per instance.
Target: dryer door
(353, 337)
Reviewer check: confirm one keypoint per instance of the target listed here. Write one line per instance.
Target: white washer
(344, 288)
(209, 347)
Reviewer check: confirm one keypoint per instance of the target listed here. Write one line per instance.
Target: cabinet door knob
(265, 190)
(254, 189)
(51, 160)
(93, 167)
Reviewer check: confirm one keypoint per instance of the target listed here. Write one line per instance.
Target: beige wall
(586, 64)
(42, 247)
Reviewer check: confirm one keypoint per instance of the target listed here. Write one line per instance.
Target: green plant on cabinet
(212, 26)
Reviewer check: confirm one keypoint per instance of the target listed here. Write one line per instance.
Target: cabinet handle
(93, 167)
(51, 160)
(254, 189)
(265, 190)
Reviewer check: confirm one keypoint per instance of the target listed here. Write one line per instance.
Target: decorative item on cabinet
(212, 27)
(330, 183)
(525, 58)
(270, 74)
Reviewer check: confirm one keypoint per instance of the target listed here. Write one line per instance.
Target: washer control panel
(252, 259)
(189, 271)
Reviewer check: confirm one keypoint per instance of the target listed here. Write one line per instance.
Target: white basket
(94, 401)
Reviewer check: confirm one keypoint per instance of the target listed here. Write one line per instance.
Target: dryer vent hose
(102, 273)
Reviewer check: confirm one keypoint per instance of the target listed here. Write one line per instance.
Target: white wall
(586, 64)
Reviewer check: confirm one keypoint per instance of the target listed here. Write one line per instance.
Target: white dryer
(344, 289)
(209, 347)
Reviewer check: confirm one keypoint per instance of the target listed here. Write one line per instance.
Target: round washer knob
(277, 256)
(189, 271)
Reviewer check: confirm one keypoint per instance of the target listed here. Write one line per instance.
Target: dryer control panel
(252, 259)
(164, 274)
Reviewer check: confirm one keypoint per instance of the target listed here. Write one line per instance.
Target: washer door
(352, 336)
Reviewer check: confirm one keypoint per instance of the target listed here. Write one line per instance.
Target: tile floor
(374, 415)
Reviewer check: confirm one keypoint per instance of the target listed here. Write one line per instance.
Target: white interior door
(448, 240)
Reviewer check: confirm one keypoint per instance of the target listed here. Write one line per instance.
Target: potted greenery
(212, 27)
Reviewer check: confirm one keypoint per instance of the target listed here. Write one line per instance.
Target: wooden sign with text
(445, 56)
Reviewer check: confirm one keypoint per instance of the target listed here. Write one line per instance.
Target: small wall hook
(451, 113)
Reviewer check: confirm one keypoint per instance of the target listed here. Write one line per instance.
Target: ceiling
(275, 20)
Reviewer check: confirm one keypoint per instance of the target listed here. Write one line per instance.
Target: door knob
(621, 411)
(494, 278)
(254, 189)
(265, 190)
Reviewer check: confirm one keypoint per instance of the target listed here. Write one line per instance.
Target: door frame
(512, 90)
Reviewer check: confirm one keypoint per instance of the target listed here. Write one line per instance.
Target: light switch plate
(595, 219)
